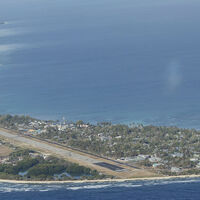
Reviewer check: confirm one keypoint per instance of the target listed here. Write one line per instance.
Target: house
(4, 160)
(156, 165)
(34, 155)
(138, 158)
(45, 156)
(154, 159)
(194, 159)
(198, 165)
(103, 138)
(176, 170)
(31, 131)
(177, 155)
(84, 125)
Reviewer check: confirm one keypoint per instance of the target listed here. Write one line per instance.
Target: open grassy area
(5, 150)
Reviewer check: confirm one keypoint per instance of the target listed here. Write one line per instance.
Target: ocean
(101, 60)
(183, 189)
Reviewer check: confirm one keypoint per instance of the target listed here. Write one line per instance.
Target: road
(103, 165)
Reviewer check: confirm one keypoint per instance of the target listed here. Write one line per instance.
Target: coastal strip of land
(105, 166)
(101, 180)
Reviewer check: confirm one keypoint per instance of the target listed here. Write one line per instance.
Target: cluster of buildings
(8, 160)
(37, 127)
(157, 161)
(4, 160)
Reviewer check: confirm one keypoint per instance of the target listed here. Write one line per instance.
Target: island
(65, 150)
(25, 164)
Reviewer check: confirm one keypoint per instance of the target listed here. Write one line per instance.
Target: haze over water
(96, 60)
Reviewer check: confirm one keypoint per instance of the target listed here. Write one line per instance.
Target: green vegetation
(174, 146)
(9, 121)
(163, 148)
(25, 164)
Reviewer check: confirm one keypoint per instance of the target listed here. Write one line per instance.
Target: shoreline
(99, 180)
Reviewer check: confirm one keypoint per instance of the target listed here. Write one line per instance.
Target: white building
(176, 170)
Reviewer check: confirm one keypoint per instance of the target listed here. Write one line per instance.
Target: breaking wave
(88, 187)
(8, 187)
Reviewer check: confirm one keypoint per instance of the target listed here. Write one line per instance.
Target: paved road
(103, 165)
(50, 148)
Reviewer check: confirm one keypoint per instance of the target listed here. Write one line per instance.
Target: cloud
(12, 32)
(8, 32)
(174, 76)
(8, 48)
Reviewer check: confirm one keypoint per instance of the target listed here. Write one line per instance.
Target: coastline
(99, 180)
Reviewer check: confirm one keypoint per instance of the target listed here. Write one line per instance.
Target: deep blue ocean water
(183, 189)
(96, 60)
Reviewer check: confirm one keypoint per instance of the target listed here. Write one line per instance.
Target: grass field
(4, 150)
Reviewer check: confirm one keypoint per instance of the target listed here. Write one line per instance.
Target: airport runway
(107, 166)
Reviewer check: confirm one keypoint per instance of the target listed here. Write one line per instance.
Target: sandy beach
(99, 181)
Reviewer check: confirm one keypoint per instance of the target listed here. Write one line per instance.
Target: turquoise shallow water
(113, 60)
(170, 189)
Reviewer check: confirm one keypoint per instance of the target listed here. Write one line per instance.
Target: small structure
(198, 165)
(177, 155)
(154, 159)
(194, 159)
(176, 170)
